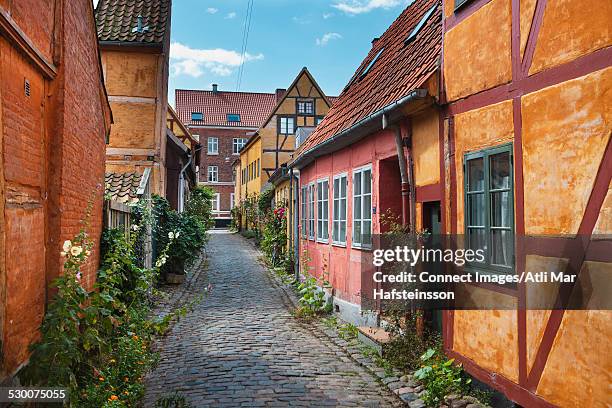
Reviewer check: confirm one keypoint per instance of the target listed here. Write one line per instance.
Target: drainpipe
(181, 197)
(296, 220)
(401, 157)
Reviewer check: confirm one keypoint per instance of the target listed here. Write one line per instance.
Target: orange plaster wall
(604, 222)
(426, 148)
(130, 74)
(489, 338)
(571, 29)
(527, 9)
(134, 125)
(565, 131)
(578, 372)
(476, 130)
(477, 52)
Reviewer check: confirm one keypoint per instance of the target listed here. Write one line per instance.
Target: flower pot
(175, 278)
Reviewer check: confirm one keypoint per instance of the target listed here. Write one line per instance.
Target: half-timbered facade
(527, 153)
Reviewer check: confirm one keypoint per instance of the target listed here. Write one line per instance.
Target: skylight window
(371, 64)
(233, 117)
(412, 36)
(197, 116)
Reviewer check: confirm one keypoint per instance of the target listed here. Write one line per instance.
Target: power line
(245, 39)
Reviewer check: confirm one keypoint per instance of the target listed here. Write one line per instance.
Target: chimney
(215, 88)
(375, 40)
(280, 93)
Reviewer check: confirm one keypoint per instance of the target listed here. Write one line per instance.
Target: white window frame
(284, 130)
(214, 171)
(311, 211)
(337, 219)
(216, 203)
(237, 144)
(212, 148)
(231, 201)
(304, 214)
(323, 210)
(356, 243)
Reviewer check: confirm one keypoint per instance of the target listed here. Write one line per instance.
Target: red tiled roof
(116, 20)
(399, 70)
(252, 107)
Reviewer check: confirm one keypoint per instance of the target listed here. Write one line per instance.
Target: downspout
(182, 180)
(295, 215)
(405, 178)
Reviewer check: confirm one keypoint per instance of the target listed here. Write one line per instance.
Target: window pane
(357, 232)
(500, 170)
(367, 207)
(475, 172)
(501, 209)
(476, 239)
(357, 208)
(501, 247)
(343, 187)
(367, 181)
(336, 188)
(342, 233)
(476, 210)
(343, 209)
(357, 184)
(367, 234)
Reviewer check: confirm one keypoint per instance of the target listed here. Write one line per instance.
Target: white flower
(88, 252)
(62, 253)
(135, 227)
(76, 250)
(176, 234)
(67, 245)
(161, 261)
(171, 235)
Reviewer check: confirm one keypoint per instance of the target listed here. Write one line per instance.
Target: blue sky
(330, 37)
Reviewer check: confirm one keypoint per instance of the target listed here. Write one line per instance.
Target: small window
(311, 211)
(412, 36)
(305, 107)
(362, 207)
(489, 204)
(233, 117)
(371, 64)
(258, 167)
(319, 120)
(322, 210)
(237, 144)
(287, 125)
(304, 217)
(231, 201)
(339, 210)
(197, 116)
(213, 145)
(213, 174)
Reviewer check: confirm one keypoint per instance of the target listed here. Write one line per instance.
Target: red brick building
(54, 120)
(222, 121)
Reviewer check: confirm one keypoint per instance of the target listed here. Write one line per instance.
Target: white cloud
(212, 10)
(327, 38)
(301, 20)
(364, 6)
(327, 15)
(195, 62)
(230, 15)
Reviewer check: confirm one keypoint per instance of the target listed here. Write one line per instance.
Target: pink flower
(78, 276)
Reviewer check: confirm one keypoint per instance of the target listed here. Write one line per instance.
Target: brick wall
(53, 166)
(223, 160)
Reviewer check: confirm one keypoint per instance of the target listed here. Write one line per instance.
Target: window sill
(339, 244)
(322, 241)
(362, 248)
(212, 154)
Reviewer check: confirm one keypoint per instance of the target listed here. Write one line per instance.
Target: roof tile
(400, 69)
(116, 20)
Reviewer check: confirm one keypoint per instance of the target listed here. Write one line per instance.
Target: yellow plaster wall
(578, 372)
(571, 29)
(489, 337)
(130, 74)
(426, 147)
(477, 52)
(565, 131)
(248, 156)
(134, 125)
(475, 130)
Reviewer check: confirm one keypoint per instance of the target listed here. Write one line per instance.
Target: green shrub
(440, 376)
(274, 240)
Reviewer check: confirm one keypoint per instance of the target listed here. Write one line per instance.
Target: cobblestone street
(241, 346)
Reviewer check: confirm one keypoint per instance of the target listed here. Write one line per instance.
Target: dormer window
(197, 116)
(233, 117)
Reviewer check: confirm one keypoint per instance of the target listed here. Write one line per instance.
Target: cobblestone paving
(241, 346)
